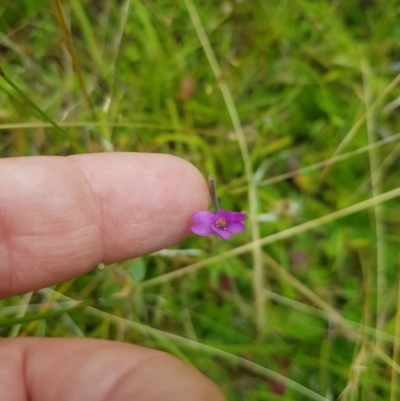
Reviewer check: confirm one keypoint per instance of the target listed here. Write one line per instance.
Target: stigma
(221, 223)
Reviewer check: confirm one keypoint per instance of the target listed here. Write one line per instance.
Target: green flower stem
(213, 192)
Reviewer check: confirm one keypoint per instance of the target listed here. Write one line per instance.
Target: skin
(59, 218)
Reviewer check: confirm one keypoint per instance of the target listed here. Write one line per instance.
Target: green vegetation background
(308, 316)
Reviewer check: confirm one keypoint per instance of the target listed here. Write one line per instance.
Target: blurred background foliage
(301, 75)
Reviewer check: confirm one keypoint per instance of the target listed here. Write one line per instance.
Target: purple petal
(238, 217)
(224, 234)
(204, 216)
(221, 214)
(202, 229)
(236, 227)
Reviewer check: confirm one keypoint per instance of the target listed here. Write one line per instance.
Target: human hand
(59, 218)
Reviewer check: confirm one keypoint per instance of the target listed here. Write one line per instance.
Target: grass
(293, 107)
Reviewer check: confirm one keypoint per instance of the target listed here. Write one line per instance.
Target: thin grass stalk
(162, 127)
(206, 349)
(318, 165)
(368, 182)
(330, 161)
(35, 107)
(336, 317)
(67, 39)
(351, 388)
(328, 316)
(394, 388)
(350, 135)
(376, 178)
(290, 232)
(23, 307)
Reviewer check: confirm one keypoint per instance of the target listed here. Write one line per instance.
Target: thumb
(44, 369)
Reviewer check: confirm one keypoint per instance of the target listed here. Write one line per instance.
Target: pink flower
(222, 223)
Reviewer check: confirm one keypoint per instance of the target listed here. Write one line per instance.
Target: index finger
(61, 216)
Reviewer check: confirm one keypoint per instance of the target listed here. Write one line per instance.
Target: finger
(60, 217)
(81, 369)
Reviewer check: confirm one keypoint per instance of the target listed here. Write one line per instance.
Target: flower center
(221, 223)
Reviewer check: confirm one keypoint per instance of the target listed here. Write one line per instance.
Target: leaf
(137, 269)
